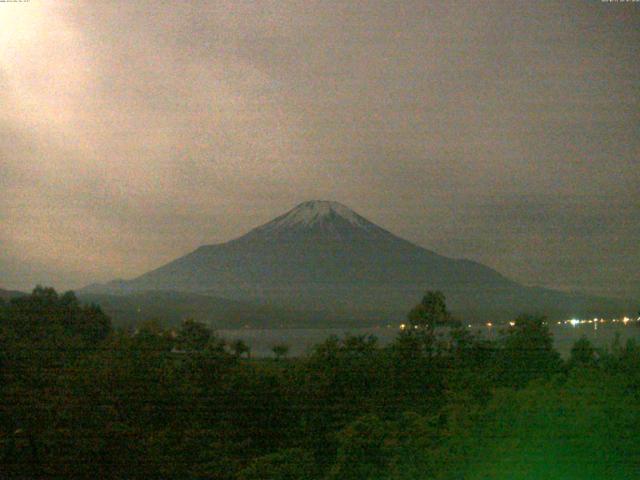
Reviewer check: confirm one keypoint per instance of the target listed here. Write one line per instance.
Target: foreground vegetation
(79, 400)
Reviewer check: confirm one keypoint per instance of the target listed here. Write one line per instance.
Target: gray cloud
(132, 132)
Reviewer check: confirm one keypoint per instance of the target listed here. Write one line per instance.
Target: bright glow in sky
(133, 132)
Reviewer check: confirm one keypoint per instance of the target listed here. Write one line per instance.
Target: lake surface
(302, 340)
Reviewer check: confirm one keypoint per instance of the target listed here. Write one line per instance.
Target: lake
(301, 340)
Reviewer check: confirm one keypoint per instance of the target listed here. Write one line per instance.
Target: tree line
(80, 399)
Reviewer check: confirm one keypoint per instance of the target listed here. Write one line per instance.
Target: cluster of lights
(404, 326)
(573, 322)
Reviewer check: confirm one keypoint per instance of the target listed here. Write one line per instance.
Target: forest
(81, 399)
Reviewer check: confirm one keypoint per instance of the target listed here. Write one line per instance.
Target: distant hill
(171, 308)
(7, 295)
(322, 256)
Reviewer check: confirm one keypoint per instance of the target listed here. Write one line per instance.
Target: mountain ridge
(7, 295)
(321, 255)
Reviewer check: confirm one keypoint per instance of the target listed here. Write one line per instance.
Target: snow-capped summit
(321, 219)
(315, 211)
(322, 256)
(318, 220)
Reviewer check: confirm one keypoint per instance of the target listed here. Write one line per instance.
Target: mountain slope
(171, 308)
(322, 256)
(7, 295)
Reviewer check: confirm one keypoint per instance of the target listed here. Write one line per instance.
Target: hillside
(322, 256)
(171, 308)
(7, 295)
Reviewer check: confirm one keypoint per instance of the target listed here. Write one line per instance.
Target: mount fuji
(321, 256)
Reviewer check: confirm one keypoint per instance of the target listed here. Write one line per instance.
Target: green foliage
(280, 351)
(431, 312)
(363, 450)
(583, 428)
(239, 348)
(583, 354)
(192, 336)
(527, 352)
(46, 316)
(79, 401)
(289, 464)
(419, 334)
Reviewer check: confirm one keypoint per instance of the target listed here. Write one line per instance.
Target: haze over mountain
(323, 256)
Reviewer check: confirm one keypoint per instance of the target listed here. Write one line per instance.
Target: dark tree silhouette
(527, 351)
(280, 351)
(583, 354)
(239, 348)
(431, 312)
(192, 336)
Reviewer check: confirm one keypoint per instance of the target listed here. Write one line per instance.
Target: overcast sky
(132, 132)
